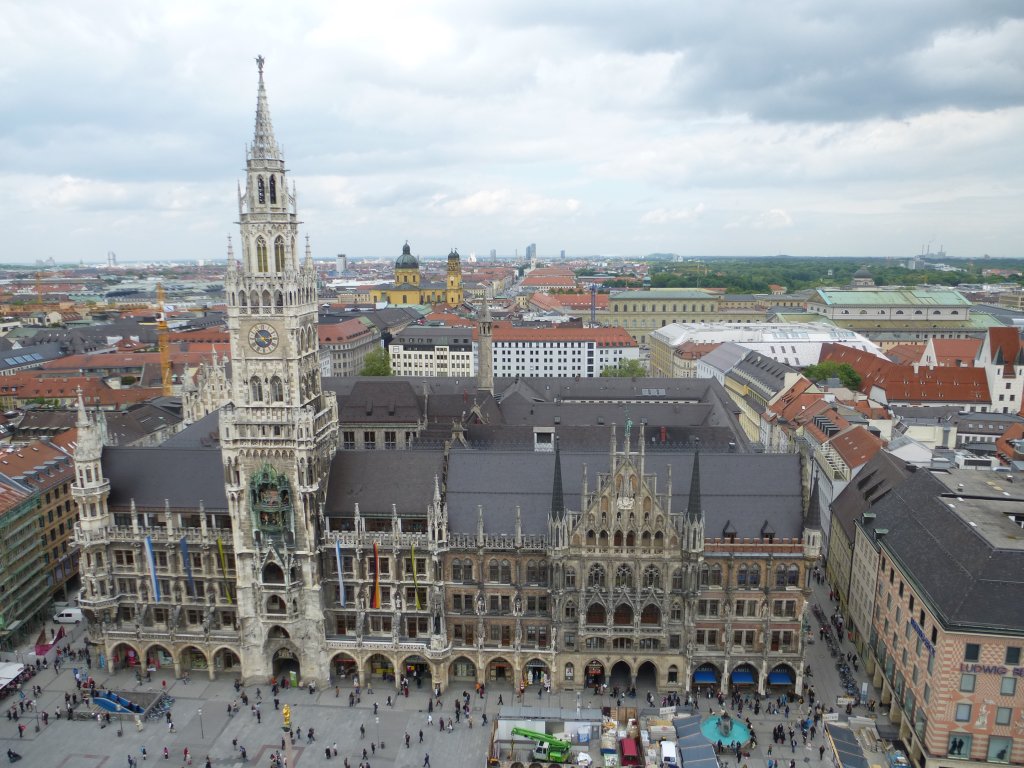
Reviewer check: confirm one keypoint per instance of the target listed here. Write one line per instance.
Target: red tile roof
(857, 446)
(956, 352)
(905, 354)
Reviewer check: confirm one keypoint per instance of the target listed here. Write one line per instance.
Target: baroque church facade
(410, 288)
(521, 540)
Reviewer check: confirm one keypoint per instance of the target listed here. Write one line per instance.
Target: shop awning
(742, 677)
(780, 677)
(704, 676)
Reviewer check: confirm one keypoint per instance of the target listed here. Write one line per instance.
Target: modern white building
(795, 344)
(583, 352)
(433, 351)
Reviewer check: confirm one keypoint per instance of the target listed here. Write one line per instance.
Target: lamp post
(376, 720)
(202, 733)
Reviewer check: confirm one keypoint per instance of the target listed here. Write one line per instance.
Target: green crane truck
(548, 747)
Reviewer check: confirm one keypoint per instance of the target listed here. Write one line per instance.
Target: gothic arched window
(741, 575)
(716, 575)
(493, 571)
(652, 577)
(623, 615)
(273, 190)
(570, 577)
(650, 614)
(780, 576)
(754, 579)
(792, 576)
(624, 577)
(677, 579)
(570, 610)
(596, 614)
(261, 195)
(506, 572)
(278, 242)
(704, 575)
(261, 255)
(276, 390)
(617, 539)
(256, 389)
(595, 577)
(531, 572)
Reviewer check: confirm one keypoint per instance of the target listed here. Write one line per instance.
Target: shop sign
(992, 669)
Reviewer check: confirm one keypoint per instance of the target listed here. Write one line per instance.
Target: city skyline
(737, 130)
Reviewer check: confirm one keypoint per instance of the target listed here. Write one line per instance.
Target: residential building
(23, 579)
(422, 350)
(547, 352)
(344, 346)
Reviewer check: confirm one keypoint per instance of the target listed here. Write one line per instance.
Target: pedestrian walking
(421, 736)
(407, 739)
(426, 760)
(821, 752)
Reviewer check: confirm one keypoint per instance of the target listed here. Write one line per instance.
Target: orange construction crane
(161, 337)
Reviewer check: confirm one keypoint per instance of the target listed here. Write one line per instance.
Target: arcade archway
(285, 663)
(782, 678)
(744, 677)
(193, 660)
(500, 670)
(226, 660)
(344, 667)
(416, 670)
(647, 676)
(622, 675)
(125, 656)
(462, 669)
(157, 657)
(707, 676)
(536, 672)
(380, 667)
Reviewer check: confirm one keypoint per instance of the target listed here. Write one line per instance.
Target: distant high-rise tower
(494, 254)
(342, 264)
(561, 254)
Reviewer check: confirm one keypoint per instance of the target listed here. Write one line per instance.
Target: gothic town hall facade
(569, 532)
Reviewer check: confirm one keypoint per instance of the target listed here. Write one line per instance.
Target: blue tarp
(704, 676)
(780, 678)
(742, 676)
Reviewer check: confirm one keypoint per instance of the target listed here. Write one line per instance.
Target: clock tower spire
(279, 431)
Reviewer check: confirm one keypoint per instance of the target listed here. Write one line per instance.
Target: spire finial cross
(259, 64)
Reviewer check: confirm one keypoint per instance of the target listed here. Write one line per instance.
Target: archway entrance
(647, 676)
(782, 679)
(158, 656)
(416, 669)
(345, 667)
(594, 673)
(743, 678)
(226, 660)
(499, 670)
(706, 677)
(462, 669)
(622, 675)
(536, 672)
(194, 660)
(380, 666)
(286, 665)
(124, 656)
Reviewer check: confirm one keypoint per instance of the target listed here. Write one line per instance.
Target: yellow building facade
(409, 288)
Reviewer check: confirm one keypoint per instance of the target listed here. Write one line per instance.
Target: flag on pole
(415, 580)
(191, 582)
(375, 600)
(224, 567)
(152, 569)
(341, 576)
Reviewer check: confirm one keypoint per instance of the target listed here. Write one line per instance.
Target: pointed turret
(813, 518)
(557, 495)
(485, 352)
(264, 145)
(693, 508)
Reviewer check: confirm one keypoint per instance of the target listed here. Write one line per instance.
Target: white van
(669, 755)
(68, 616)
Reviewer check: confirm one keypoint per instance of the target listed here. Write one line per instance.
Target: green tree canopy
(829, 369)
(625, 369)
(376, 363)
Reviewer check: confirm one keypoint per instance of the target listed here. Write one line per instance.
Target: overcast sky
(865, 128)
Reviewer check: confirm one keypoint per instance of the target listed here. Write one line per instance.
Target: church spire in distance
(264, 145)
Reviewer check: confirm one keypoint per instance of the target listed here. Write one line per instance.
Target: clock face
(263, 338)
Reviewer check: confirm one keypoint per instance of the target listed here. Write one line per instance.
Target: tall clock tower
(279, 431)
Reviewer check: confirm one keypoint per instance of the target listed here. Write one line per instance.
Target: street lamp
(377, 721)
(202, 733)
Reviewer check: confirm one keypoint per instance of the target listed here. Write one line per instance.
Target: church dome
(862, 272)
(406, 260)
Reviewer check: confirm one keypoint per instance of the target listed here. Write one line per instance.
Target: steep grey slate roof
(745, 489)
(972, 575)
(204, 433)
(378, 479)
(185, 476)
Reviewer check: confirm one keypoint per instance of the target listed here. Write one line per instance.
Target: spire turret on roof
(693, 507)
(813, 518)
(557, 494)
(264, 145)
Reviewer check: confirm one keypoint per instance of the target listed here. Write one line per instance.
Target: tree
(376, 363)
(627, 368)
(829, 369)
